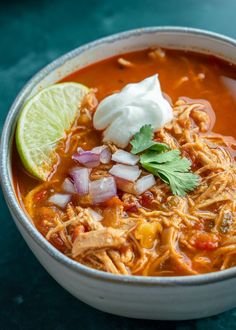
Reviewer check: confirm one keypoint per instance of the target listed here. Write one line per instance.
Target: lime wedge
(43, 122)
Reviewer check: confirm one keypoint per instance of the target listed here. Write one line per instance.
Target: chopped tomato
(146, 198)
(206, 245)
(131, 207)
(206, 241)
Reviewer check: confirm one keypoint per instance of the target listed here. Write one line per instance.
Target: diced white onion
(124, 157)
(60, 200)
(126, 172)
(95, 215)
(144, 183)
(68, 186)
(102, 189)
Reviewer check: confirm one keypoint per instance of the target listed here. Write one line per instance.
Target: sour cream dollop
(122, 114)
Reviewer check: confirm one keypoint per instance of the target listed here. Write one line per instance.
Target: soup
(137, 211)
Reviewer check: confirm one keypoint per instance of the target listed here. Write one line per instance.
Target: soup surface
(156, 233)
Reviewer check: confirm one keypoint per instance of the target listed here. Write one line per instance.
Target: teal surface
(33, 33)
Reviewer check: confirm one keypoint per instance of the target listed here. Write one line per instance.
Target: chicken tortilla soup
(128, 165)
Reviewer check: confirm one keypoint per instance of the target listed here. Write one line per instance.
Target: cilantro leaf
(142, 140)
(152, 156)
(159, 147)
(174, 172)
(167, 164)
(181, 182)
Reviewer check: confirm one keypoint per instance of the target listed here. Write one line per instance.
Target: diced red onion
(68, 186)
(102, 189)
(104, 152)
(125, 185)
(87, 158)
(95, 215)
(80, 176)
(124, 157)
(60, 200)
(126, 172)
(144, 183)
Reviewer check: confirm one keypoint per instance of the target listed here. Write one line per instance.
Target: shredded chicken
(98, 239)
(157, 53)
(169, 235)
(125, 63)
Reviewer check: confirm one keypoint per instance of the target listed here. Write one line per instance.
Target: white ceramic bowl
(163, 298)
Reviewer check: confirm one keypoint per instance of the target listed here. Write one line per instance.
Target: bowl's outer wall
(152, 300)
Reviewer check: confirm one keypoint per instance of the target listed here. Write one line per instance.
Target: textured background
(33, 33)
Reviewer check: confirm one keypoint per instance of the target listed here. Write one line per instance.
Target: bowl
(162, 298)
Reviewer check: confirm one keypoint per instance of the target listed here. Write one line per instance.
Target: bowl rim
(21, 216)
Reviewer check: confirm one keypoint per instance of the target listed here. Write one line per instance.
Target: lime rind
(43, 122)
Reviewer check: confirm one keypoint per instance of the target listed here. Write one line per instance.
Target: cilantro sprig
(168, 165)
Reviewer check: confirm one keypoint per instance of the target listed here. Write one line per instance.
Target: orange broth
(181, 73)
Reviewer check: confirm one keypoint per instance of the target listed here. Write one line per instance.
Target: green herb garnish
(167, 164)
(143, 141)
